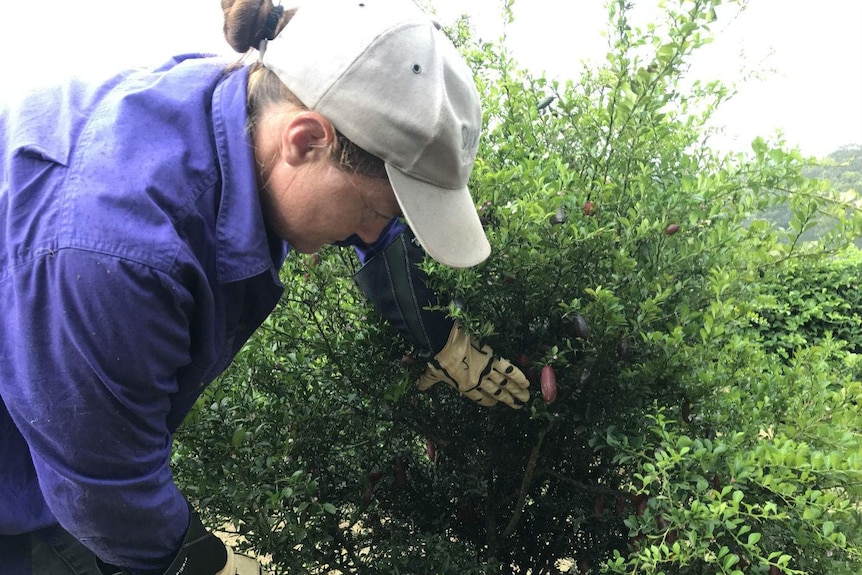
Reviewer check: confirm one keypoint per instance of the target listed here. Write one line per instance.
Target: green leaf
(753, 538)
(238, 436)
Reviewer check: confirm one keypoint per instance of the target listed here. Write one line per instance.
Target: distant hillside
(843, 169)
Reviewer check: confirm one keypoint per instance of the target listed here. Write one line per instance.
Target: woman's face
(318, 203)
(308, 200)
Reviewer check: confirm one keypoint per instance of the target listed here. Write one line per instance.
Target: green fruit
(545, 102)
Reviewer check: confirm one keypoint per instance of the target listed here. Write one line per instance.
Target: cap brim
(445, 221)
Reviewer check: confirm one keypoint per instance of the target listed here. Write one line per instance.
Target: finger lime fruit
(548, 381)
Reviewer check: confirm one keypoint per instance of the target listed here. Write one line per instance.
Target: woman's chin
(306, 248)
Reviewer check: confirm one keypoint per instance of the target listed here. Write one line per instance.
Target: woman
(144, 222)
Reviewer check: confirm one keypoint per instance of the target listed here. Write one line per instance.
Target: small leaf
(238, 436)
(753, 538)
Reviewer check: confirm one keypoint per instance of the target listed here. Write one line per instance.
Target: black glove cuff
(395, 285)
(201, 553)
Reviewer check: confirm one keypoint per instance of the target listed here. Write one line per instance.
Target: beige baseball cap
(389, 80)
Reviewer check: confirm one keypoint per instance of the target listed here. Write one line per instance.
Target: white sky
(815, 47)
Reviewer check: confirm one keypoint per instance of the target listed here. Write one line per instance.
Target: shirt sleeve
(90, 364)
(391, 278)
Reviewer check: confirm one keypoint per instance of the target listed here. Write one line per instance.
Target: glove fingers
(480, 397)
(507, 398)
(522, 395)
(510, 383)
(512, 373)
(513, 388)
(512, 396)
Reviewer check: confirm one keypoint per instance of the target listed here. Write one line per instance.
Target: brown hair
(244, 28)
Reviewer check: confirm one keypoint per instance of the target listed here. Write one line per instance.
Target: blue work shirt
(134, 264)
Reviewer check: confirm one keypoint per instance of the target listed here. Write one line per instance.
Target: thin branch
(527, 480)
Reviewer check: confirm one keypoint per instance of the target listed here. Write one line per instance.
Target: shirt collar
(242, 244)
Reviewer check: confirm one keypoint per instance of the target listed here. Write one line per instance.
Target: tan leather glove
(240, 564)
(473, 370)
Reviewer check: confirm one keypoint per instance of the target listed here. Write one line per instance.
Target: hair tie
(272, 22)
(269, 29)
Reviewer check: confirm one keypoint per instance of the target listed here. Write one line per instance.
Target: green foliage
(765, 474)
(810, 300)
(707, 417)
(843, 168)
(840, 172)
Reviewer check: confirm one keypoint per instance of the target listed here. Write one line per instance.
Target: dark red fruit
(582, 328)
(671, 229)
(407, 359)
(599, 506)
(400, 474)
(589, 208)
(559, 216)
(642, 507)
(431, 450)
(549, 384)
(623, 347)
(685, 412)
(375, 475)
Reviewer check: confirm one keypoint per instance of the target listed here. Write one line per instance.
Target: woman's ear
(306, 138)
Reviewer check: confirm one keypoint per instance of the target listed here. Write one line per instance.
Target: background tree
(689, 433)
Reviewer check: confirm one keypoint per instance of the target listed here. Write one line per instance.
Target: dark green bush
(685, 437)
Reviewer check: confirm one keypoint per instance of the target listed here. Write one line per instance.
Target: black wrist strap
(201, 553)
(395, 285)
